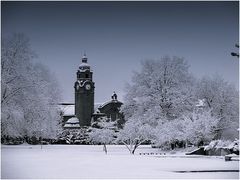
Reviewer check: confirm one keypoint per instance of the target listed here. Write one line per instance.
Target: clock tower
(84, 93)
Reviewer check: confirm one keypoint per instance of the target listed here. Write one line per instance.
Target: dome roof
(72, 126)
(110, 104)
(84, 65)
(72, 123)
(72, 120)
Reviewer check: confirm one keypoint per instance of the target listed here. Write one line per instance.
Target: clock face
(88, 87)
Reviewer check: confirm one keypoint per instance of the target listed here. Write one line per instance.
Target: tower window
(86, 76)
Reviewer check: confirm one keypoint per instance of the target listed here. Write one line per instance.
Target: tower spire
(84, 58)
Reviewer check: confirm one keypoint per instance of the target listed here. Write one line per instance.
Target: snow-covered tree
(223, 101)
(29, 92)
(15, 60)
(163, 89)
(134, 133)
(169, 133)
(195, 128)
(200, 128)
(161, 92)
(106, 134)
(164, 96)
(48, 94)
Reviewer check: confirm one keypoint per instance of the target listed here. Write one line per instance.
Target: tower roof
(84, 65)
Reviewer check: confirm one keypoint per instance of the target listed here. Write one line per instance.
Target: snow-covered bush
(229, 146)
(200, 127)
(105, 134)
(194, 128)
(169, 133)
(234, 146)
(218, 144)
(73, 136)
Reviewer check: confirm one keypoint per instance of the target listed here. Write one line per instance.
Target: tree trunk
(105, 148)
(133, 151)
(135, 147)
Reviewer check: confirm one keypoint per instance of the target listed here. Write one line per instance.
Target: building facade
(84, 112)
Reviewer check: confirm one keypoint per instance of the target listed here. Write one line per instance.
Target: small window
(86, 76)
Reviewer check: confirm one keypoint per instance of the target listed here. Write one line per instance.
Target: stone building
(84, 112)
(111, 110)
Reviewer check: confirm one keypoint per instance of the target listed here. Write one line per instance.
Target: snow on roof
(68, 110)
(96, 106)
(72, 120)
(84, 56)
(83, 70)
(84, 65)
(71, 125)
(109, 102)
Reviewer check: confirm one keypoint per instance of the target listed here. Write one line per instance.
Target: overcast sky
(117, 36)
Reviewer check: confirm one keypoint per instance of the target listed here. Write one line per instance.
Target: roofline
(111, 101)
(66, 104)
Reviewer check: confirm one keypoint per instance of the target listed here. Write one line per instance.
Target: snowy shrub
(105, 134)
(168, 132)
(218, 144)
(234, 146)
(230, 146)
(195, 128)
(73, 136)
(200, 127)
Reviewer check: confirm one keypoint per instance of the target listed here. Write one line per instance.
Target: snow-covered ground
(79, 161)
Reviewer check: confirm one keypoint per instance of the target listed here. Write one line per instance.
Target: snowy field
(82, 162)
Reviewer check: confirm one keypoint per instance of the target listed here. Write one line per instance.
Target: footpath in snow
(88, 161)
